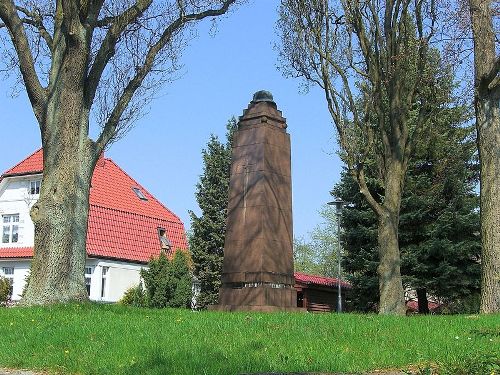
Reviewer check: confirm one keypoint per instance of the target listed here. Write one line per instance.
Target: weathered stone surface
(258, 261)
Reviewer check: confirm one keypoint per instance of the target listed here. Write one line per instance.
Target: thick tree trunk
(61, 213)
(60, 218)
(423, 302)
(487, 96)
(389, 272)
(488, 126)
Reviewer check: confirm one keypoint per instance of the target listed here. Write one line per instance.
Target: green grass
(112, 339)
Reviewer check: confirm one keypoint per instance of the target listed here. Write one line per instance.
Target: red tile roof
(31, 165)
(303, 278)
(16, 252)
(121, 225)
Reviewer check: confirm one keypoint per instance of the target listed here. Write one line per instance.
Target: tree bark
(61, 213)
(60, 218)
(487, 96)
(423, 302)
(389, 268)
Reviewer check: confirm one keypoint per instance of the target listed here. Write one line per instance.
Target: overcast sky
(221, 72)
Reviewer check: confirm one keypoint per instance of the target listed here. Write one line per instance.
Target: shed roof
(307, 279)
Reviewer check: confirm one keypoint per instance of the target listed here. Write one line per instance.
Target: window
(10, 231)
(34, 187)
(139, 194)
(88, 278)
(103, 281)
(164, 241)
(8, 271)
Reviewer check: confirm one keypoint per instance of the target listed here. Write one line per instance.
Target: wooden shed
(319, 293)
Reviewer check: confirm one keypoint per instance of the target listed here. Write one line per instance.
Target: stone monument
(257, 272)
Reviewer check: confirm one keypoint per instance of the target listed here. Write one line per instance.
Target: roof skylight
(139, 194)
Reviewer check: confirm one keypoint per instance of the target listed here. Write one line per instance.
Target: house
(320, 293)
(127, 226)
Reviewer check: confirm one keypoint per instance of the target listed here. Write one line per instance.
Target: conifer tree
(208, 230)
(439, 223)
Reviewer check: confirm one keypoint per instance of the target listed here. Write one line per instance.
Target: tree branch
(36, 93)
(110, 128)
(493, 79)
(35, 19)
(107, 48)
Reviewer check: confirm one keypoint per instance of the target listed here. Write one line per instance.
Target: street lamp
(339, 204)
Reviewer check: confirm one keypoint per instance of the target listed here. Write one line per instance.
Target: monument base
(257, 297)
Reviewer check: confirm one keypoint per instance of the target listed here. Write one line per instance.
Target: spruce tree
(206, 240)
(439, 223)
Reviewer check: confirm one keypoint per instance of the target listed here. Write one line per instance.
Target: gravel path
(6, 371)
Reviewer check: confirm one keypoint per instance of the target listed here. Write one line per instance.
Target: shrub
(134, 296)
(5, 289)
(168, 282)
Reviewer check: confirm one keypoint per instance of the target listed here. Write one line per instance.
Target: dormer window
(165, 243)
(34, 188)
(139, 194)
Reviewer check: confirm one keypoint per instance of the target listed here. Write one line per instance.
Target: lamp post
(339, 204)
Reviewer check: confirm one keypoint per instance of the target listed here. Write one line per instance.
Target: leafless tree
(83, 60)
(372, 60)
(484, 19)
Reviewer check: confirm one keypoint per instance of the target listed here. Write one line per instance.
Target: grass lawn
(112, 339)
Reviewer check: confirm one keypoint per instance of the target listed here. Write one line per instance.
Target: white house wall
(14, 199)
(120, 277)
(21, 271)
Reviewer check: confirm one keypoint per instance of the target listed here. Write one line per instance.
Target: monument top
(263, 96)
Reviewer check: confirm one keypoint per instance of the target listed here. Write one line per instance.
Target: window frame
(34, 187)
(88, 276)
(139, 193)
(104, 281)
(13, 228)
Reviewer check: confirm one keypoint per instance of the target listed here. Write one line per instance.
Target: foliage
(318, 256)
(5, 289)
(439, 222)
(134, 296)
(168, 282)
(126, 340)
(206, 241)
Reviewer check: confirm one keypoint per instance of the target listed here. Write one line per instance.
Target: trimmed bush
(134, 296)
(168, 282)
(5, 289)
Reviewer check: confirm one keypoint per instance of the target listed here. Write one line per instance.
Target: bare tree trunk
(61, 213)
(487, 96)
(423, 302)
(389, 268)
(60, 218)
(488, 129)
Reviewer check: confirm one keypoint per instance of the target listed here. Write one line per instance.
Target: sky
(220, 75)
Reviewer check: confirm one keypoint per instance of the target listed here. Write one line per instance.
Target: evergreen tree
(208, 230)
(168, 282)
(439, 223)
